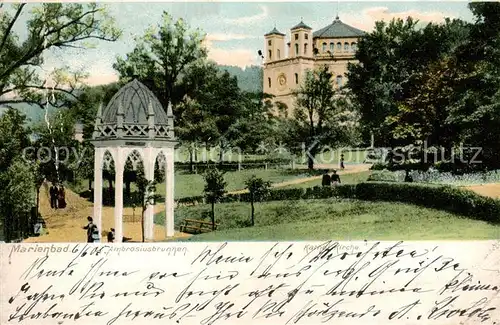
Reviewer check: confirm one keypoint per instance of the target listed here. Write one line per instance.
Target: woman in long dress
(61, 198)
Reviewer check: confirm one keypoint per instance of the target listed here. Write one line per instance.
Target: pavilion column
(119, 166)
(169, 192)
(149, 171)
(98, 159)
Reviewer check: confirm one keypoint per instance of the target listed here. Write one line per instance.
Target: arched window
(270, 54)
(346, 46)
(296, 49)
(305, 48)
(297, 78)
(332, 47)
(324, 47)
(279, 54)
(339, 46)
(354, 46)
(269, 82)
(339, 81)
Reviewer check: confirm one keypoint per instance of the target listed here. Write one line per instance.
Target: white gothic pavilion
(134, 126)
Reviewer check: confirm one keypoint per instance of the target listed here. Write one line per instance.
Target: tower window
(269, 42)
(339, 81)
(339, 46)
(354, 47)
(305, 48)
(324, 47)
(297, 78)
(296, 36)
(296, 49)
(307, 36)
(346, 46)
(332, 47)
(270, 54)
(279, 54)
(269, 82)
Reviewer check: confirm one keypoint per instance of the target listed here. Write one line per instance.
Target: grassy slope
(333, 219)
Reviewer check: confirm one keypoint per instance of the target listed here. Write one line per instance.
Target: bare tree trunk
(253, 212)
(191, 165)
(213, 216)
(142, 223)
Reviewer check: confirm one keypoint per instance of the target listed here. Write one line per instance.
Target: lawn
(193, 184)
(353, 178)
(335, 219)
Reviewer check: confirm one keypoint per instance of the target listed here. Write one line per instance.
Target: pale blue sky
(235, 30)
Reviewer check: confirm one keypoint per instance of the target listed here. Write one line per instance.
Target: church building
(286, 63)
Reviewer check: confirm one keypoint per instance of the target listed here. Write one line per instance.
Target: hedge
(441, 197)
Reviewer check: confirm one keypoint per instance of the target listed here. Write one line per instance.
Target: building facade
(286, 63)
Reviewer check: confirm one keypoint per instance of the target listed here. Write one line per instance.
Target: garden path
(66, 225)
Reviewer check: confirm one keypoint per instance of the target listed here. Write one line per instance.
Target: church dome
(134, 99)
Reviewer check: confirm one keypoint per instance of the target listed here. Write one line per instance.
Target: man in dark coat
(335, 178)
(53, 191)
(326, 180)
(89, 229)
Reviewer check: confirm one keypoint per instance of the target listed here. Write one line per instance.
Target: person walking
(342, 161)
(53, 196)
(89, 227)
(326, 180)
(61, 197)
(335, 178)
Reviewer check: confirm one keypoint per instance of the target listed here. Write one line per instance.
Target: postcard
(252, 162)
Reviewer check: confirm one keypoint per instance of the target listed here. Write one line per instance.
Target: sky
(235, 31)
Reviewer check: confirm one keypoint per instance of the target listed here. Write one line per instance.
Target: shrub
(441, 197)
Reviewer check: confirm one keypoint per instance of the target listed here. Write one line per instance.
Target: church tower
(301, 42)
(275, 46)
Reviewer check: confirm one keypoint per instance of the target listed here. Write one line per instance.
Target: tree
(317, 113)
(17, 198)
(16, 178)
(49, 26)
(161, 56)
(57, 165)
(391, 59)
(258, 189)
(212, 105)
(256, 123)
(215, 188)
(476, 106)
(144, 195)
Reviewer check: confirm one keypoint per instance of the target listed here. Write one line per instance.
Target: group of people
(57, 197)
(93, 235)
(329, 180)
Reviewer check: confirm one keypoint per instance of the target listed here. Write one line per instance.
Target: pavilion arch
(134, 123)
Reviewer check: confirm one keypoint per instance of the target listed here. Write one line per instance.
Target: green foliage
(48, 26)
(161, 56)
(215, 185)
(397, 83)
(215, 188)
(442, 197)
(17, 196)
(319, 115)
(258, 189)
(13, 137)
